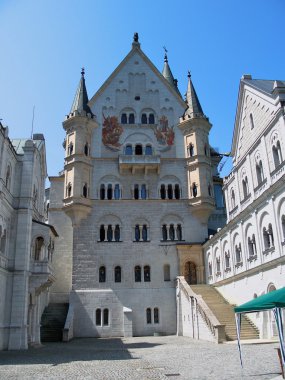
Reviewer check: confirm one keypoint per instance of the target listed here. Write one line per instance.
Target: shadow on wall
(80, 349)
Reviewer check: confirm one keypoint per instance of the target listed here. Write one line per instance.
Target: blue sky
(44, 44)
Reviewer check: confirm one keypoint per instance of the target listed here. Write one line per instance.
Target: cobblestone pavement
(144, 358)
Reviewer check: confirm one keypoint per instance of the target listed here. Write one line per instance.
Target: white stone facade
(27, 243)
(247, 257)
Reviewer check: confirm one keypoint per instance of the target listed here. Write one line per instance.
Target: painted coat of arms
(111, 132)
(164, 134)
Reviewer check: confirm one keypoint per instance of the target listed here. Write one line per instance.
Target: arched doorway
(190, 273)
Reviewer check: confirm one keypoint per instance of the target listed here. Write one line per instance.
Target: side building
(26, 242)
(247, 257)
(133, 201)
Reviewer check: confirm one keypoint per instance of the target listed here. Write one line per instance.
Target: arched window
(136, 191)
(143, 191)
(117, 191)
(102, 232)
(283, 226)
(124, 118)
(233, 199)
(39, 245)
(98, 317)
(138, 150)
(227, 260)
(146, 273)
(251, 121)
(85, 191)
(131, 118)
(171, 232)
(148, 315)
(138, 273)
(259, 172)
(118, 274)
(162, 192)
(177, 192)
(109, 192)
(129, 150)
(169, 192)
(70, 149)
(86, 149)
(148, 150)
(144, 118)
(271, 237)
(144, 232)
(117, 232)
(194, 190)
(69, 190)
(238, 253)
(218, 264)
(109, 232)
(137, 232)
(105, 317)
(277, 155)
(151, 118)
(210, 269)
(102, 192)
(245, 187)
(179, 232)
(155, 315)
(102, 274)
(266, 240)
(164, 232)
(166, 272)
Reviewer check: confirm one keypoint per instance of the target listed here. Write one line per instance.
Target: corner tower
(195, 127)
(78, 125)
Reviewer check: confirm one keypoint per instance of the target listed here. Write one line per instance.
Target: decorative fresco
(111, 132)
(164, 134)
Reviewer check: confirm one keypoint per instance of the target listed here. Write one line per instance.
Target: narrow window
(117, 191)
(171, 232)
(102, 192)
(251, 121)
(109, 233)
(129, 150)
(138, 150)
(227, 260)
(277, 156)
(136, 192)
(245, 187)
(138, 274)
(238, 253)
(250, 247)
(179, 232)
(144, 232)
(148, 315)
(124, 118)
(259, 173)
(102, 232)
(191, 150)
(209, 190)
(109, 192)
(118, 274)
(266, 239)
(164, 232)
(102, 274)
(143, 191)
(156, 315)
(117, 232)
(270, 234)
(210, 269)
(166, 272)
(146, 273)
(3, 242)
(86, 149)
(105, 317)
(98, 317)
(85, 191)
(70, 149)
(218, 264)
(69, 190)
(148, 150)
(233, 199)
(151, 118)
(131, 118)
(169, 192)
(283, 226)
(162, 192)
(194, 190)
(206, 150)
(8, 177)
(39, 244)
(177, 192)
(144, 118)
(137, 233)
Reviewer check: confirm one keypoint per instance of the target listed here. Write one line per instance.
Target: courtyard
(171, 357)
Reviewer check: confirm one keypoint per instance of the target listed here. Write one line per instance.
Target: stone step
(52, 322)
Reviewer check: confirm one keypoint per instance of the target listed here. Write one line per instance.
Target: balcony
(139, 164)
(41, 275)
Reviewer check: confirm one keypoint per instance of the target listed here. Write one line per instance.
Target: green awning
(276, 298)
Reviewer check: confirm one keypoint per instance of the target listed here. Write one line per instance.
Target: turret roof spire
(80, 102)
(194, 107)
(166, 72)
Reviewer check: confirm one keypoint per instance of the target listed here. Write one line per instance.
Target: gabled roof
(137, 50)
(80, 102)
(273, 89)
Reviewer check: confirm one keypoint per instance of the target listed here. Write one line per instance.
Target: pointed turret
(194, 108)
(80, 102)
(167, 73)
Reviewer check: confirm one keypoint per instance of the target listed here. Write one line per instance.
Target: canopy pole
(238, 327)
(278, 318)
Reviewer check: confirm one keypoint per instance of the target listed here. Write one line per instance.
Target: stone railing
(139, 159)
(215, 327)
(67, 332)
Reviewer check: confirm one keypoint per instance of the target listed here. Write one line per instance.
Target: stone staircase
(52, 322)
(224, 312)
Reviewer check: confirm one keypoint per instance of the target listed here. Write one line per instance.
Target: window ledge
(228, 269)
(260, 185)
(239, 264)
(218, 274)
(233, 210)
(245, 198)
(277, 168)
(268, 250)
(107, 241)
(141, 241)
(252, 258)
(171, 241)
